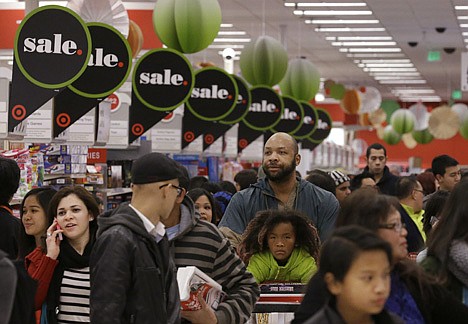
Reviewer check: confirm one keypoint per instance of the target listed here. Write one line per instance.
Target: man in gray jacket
(280, 189)
(195, 242)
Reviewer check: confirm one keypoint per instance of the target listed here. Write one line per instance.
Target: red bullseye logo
(138, 129)
(18, 112)
(169, 117)
(209, 139)
(189, 136)
(243, 143)
(63, 120)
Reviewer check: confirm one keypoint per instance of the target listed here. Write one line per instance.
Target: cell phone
(60, 236)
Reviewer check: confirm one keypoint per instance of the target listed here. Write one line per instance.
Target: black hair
(434, 207)
(441, 162)
(9, 179)
(255, 237)
(323, 180)
(356, 181)
(245, 178)
(427, 181)
(196, 193)
(375, 146)
(184, 178)
(197, 182)
(27, 243)
(212, 187)
(228, 186)
(405, 186)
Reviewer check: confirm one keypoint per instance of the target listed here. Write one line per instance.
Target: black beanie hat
(154, 167)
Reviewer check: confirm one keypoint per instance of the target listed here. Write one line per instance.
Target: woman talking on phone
(73, 232)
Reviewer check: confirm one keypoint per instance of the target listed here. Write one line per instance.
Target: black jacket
(9, 232)
(387, 184)
(133, 278)
(414, 237)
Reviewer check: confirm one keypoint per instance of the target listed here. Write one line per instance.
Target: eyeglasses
(420, 190)
(179, 189)
(397, 227)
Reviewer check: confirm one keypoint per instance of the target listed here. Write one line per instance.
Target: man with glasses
(410, 193)
(132, 274)
(376, 158)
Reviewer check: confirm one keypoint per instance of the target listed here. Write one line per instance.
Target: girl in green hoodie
(280, 246)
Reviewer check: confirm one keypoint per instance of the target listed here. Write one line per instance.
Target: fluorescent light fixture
(403, 91)
(226, 45)
(421, 98)
(226, 25)
(347, 29)
(375, 73)
(461, 7)
(464, 25)
(386, 61)
(319, 97)
(462, 17)
(325, 4)
(374, 55)
(402, 81)
(396, 77)
(332, 12)
(388, 65)
(231, 40)
(465, 34)
(232, 33)
(369, 50)
(363, 43)
(378, 69)
(358, 38)
(341, 21)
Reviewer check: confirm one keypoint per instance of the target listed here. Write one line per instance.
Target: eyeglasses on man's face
(179, 189)
(397, 227)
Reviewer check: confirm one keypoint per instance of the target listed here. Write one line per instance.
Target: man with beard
(280, 189)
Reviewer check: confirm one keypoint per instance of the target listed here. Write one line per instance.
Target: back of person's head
(212, 187)
(356, 181)
(322, 179)
(197, 182)
(9, 179)
(27, 243)
(343, 247)
(441, 162)
(184, 178)
(228, 186)
(452, 224)
(427, 181)
(434, 207)
(222, 200)
(405, 186)
(255, 237)
(245, 178)
(375, 146)
(367, 208)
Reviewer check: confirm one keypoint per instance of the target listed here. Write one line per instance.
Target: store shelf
(116, 191)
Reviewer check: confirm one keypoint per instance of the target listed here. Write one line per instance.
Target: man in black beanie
(132, 275)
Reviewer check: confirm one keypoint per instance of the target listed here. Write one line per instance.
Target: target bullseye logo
(63, 120)
(189, 136)
(18, 112)
(138, 129)
(209, 139)
(243, 143)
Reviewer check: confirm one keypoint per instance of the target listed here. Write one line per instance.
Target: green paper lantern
(337, 91)
(187, 26)
(390, 136)
(264, 61)
(464, 127)
(402, 121)
(423, 136)
(389, 106)
(302, 80)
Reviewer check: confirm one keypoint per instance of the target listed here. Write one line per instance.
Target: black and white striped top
(74, 296)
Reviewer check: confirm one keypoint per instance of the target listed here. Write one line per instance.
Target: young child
(355, 266)
(280, 246)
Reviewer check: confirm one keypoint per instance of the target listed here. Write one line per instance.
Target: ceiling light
(395, 77)
(464, 25)
(232, 40)
(374, 55)
(358, 38)
(232, 33)
(363, 43)
(341, 21)
(388, 65)
(226, 45)
(421, 98)
(462, 17)
(332, 12)
(381, 69)
(379, 73)
(402, 81)
(403, 91)
(461, 7)
(319, 97)
(347, 29)
(369, 50)
(325, 4)
(391, 61)
(226, 25)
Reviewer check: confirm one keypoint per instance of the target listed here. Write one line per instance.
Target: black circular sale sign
(244, 100)
(324, 126)
(163, 79)
(265, 110)
(109, 63)
(292, 117)
(309, 123)
(214, 95)
(52, 47)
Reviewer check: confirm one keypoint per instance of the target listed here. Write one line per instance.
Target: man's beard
(282, 174)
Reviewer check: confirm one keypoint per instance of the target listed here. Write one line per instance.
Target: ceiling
(403, 22)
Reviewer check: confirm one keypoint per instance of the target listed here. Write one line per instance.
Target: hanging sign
(52, 49)
(307, 144)
(246, 135)
(244, 100)
(162, 79)
(324, 126)
(292, 117)
(266, 109)
(214, 95)
(309, 122)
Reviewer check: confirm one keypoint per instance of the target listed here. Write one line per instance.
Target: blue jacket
(319, 205)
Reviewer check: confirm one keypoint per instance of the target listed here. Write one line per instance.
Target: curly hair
(255, 238)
